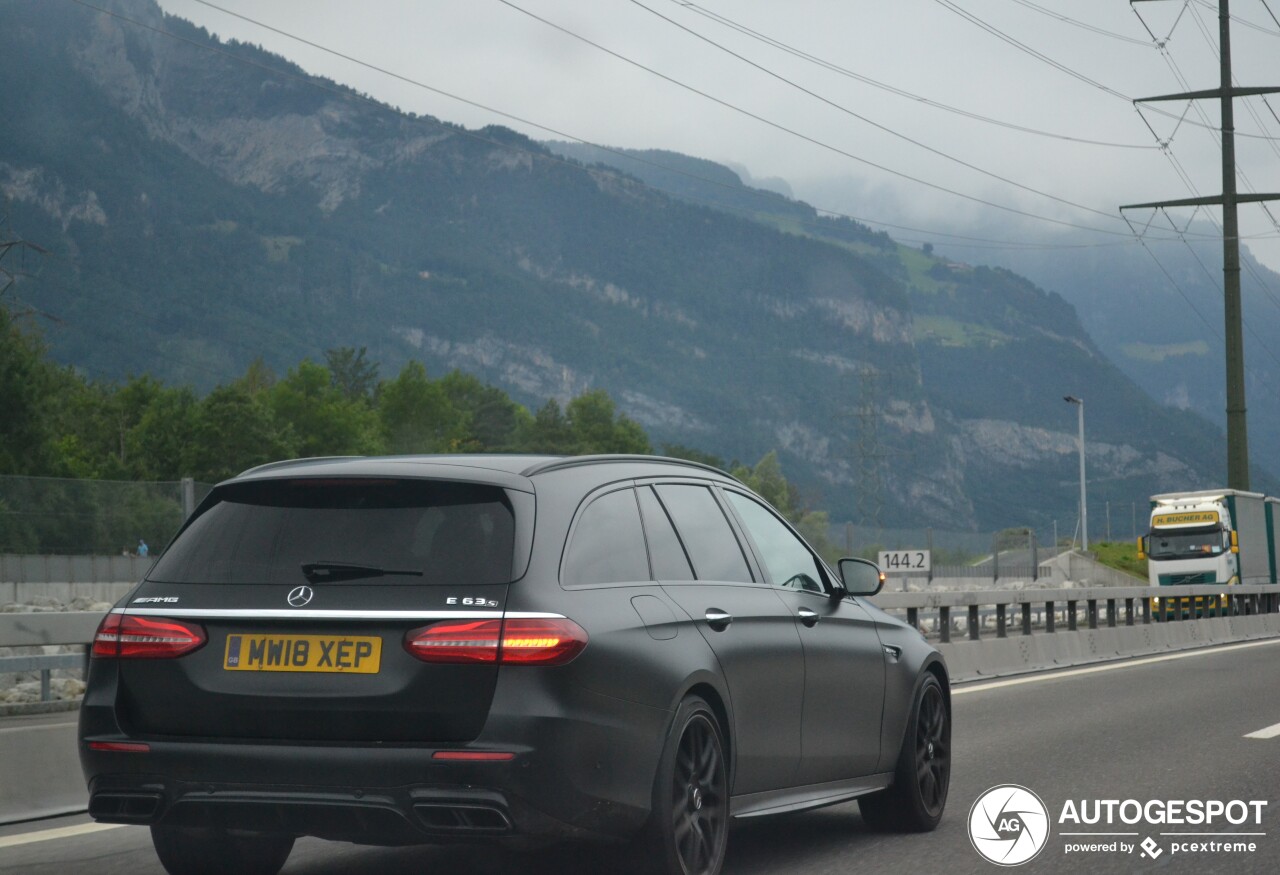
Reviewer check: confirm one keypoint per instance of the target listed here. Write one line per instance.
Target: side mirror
(1142, 547)
(861, 576)
(1235, 541)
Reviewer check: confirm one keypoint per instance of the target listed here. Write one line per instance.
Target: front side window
(787, 559)
(607, 545)
(347, 530)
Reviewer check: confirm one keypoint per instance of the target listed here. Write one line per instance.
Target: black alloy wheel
(689, 828)
(915, 801)
(933, 749)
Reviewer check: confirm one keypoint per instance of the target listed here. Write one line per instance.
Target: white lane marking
(38, 727)
(1041, 677)
(62, 832)
(1269, 732)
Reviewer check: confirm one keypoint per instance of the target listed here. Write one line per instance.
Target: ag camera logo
(1008, 825)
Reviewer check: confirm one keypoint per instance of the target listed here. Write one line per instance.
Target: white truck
(1213, 537)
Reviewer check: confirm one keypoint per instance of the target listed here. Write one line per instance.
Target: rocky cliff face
(231, 207)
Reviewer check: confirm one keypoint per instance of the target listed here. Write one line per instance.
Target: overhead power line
(1026, 49)
(1237, 433)
(1246, 22)
(805, 137)
(1067, 19)
(1040, 56)
(1186, 177)
(893, 89)
(541, 154)
(525, 121)
(862, 118)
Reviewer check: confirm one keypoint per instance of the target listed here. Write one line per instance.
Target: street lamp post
(1084, 507)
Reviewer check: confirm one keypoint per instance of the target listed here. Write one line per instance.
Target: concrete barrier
(39, 769)
(1041, 651)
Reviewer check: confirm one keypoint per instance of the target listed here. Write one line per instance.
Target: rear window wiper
(333, 572)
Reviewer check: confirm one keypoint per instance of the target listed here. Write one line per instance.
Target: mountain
(208, 203)
(1168, 338)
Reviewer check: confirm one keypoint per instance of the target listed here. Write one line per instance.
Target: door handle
(808, 617)
(718, 619)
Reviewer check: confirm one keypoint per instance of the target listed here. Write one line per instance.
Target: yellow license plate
(322, 653)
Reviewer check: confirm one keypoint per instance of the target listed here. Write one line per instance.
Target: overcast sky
(846, 145)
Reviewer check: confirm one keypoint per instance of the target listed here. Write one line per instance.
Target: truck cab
(1220, 537)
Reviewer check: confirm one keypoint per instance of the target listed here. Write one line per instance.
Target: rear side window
(706, 534)
(665, 551)
(388, 531)
(608, 543)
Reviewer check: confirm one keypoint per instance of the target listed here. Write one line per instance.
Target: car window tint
(608, 543)
(706, 534)
(787, 559)
(265, 531)
(666, 554)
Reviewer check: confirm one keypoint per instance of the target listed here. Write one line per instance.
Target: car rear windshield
(383, 531)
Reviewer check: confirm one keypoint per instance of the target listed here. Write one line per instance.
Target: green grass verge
(1122, 555)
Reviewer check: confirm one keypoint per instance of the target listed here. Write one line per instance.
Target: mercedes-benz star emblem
(300, 595)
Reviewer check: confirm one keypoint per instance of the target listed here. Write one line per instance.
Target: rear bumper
(585, 776)
(409, 814)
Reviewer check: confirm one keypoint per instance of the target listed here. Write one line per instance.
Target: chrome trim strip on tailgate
(286, 614)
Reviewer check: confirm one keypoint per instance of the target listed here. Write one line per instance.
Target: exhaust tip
(111, 807)
(462, 819)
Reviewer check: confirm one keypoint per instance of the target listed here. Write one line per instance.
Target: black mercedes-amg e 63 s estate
(468, 648)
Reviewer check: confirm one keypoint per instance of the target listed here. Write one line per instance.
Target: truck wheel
(195, 851)
(688, 829)
(915, 801)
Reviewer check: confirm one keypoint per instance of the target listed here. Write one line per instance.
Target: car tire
(688, 829)
(196, 851)
(918, 795)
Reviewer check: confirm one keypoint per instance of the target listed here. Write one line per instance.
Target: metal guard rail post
(1177, 604)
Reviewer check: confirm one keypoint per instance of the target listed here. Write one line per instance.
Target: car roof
(513, 471)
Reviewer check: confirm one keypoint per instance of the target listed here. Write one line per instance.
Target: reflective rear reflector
(550, 641)
(120, 746)
(474, 756)
(123, 636)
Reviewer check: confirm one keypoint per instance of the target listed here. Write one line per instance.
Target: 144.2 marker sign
(904, 560)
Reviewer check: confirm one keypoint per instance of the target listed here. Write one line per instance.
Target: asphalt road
(1149, 730)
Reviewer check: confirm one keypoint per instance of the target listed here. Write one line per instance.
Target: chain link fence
(62, 517)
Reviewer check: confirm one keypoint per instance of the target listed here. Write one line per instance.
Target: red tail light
(552, 641)
(123, 636)
(541, 642)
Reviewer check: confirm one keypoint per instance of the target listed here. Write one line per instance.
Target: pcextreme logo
(1009, 825)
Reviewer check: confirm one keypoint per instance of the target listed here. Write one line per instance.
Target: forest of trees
(58, 424)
